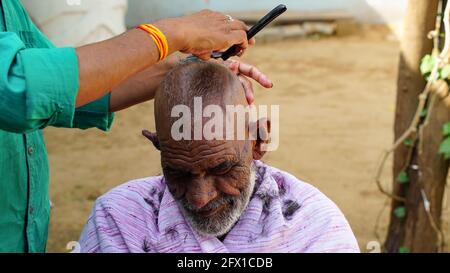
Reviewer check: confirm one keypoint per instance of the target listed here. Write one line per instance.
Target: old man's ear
(153, 137)
(262, 138)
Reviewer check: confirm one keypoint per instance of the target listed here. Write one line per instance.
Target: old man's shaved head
(188, 83)
(213, 83)
(212, 180)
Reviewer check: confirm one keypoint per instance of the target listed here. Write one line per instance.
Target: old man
(214, 195)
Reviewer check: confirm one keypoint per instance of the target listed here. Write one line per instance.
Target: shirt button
(30, 150)
(31, 210)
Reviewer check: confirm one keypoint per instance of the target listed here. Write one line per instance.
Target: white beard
(221, 224)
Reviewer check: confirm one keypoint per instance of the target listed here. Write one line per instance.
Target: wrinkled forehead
(200, 154)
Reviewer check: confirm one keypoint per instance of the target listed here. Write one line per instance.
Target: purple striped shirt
(284, 215)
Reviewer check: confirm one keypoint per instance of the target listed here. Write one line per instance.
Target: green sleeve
(38, 88)
(95, 114)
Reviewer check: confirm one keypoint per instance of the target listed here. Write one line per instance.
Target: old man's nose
(198, 198)
(198, 201)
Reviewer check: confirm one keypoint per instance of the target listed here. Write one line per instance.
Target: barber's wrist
(172, 29)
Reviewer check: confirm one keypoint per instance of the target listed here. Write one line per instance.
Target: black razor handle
(269, 17)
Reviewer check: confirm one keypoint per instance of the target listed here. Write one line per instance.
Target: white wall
(373, 11)
(78, 22)
(390, 12)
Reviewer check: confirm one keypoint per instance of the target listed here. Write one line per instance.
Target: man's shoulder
(300, 200)
(291, 187)
(315, 214)
(141, 192)
(124, 217)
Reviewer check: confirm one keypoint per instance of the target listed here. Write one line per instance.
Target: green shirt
(38, 87)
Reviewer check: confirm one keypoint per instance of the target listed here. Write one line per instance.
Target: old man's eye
(222, 168)
(174, 172)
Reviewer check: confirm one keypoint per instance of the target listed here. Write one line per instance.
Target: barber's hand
(246, 71)
(206, 31)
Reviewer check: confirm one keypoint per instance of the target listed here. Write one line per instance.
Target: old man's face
(211, 180)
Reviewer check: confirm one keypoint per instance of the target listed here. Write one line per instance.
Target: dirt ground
(336, 97)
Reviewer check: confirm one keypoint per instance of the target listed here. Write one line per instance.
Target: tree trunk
(414, 231)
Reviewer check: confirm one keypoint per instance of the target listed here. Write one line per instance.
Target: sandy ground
(336, 97)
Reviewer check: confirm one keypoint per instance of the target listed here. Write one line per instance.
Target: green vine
(400, 212)
(444, 148)
(434, 67)
(427, 64)
(402, 177)
(404, 249)
(426, 67)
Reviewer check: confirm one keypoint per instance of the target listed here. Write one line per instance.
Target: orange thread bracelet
(162, 37)
(158, 37)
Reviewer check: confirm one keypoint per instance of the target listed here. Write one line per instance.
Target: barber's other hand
(246, 71)
(206, 31)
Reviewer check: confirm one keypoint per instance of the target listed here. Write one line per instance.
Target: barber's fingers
(243, 71)
(251, 42)
(238, 25)
(238, 37)
(248, 89)
(240, 53)
(253, 72)
(232, 65)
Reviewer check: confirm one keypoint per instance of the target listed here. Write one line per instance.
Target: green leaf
(446, 129)
(424, 113)
(400, 212)
(408, 142)
(447, 156)
(404, 249)
(402, 177)
(445, 72)
(427, 64)
(444, 148)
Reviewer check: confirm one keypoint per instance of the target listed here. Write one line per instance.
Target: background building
(77, 22)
